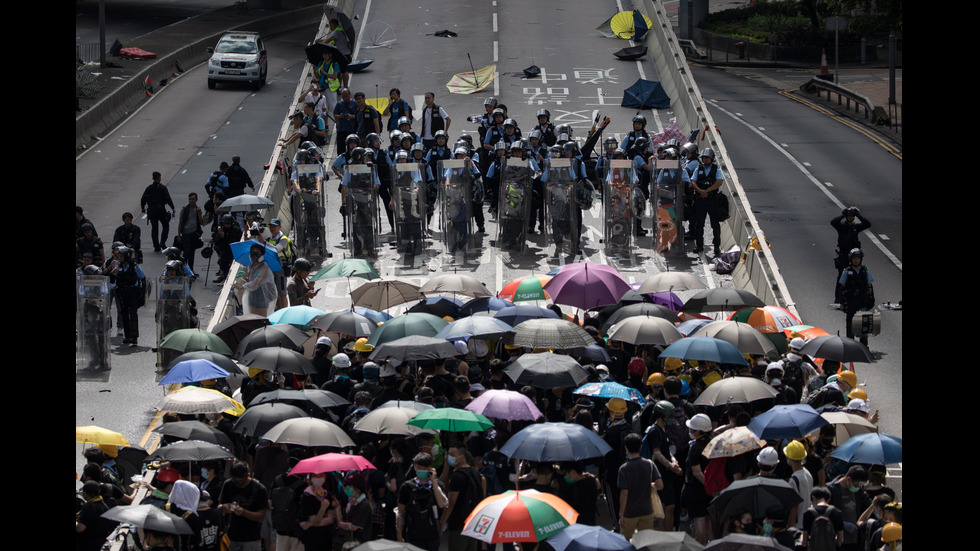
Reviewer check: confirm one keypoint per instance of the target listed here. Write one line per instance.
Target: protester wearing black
(154, 203)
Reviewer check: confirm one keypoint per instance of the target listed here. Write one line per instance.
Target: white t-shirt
(802, 480)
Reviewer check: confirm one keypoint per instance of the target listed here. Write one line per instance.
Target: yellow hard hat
(617, 406)
(711, 378)
(858, 394)
(254, 371)
(673, 364)
(656, 379)
(891, 532)
(361, 345)
(512, 347)
(795, 451)
(848, 377)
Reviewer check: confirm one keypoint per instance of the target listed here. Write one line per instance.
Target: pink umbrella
(330, 462)
(587, 285)
(505, 404)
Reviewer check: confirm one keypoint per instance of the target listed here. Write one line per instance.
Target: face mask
(204, 474)
(317, 482)
(452, 460)
(348, 491)
(766, 529)
(854, 489)
(776, 382)
(568, 479)
(423, 475)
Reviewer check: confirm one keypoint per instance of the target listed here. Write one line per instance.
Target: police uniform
(855, 293)
(704, 178)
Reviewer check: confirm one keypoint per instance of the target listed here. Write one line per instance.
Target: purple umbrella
(587, 285)
(663, 298)
(505, 404)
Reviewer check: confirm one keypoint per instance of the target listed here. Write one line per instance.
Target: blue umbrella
(611, 390)
(786, 422)
(689, 327)
(481, 327)
(240, 251)
(555, 442)
(593, 352)
(582, 537)
(192, 371)
(483, 304)
(872, 448)
(645, 94)
(300, 315)
(704, 349)
(514, 315)
(373, 315)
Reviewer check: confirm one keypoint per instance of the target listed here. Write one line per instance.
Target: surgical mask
(204, 474)
(776, 382)
(767, 530)
(423, 475)
(317, 482)
(854, 489)
(348, 491)
(452, 460)
(568, 479)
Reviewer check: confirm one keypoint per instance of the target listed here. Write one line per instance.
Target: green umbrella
(190, 340)
(451, 419)
(348, 267)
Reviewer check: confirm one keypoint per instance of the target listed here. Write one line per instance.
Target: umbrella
(455, 283)
(480, 327)
(451, 420)
(308, 432)
(555, 442)
(531, 71)
(690, 327)
(97, 435)
(732, 442)
(279, 360)
(545, 370)
(236, 328)
(413, 347)
(668, 299)
(631, 25)
(417, 406)
(582, 537)
(805, 332)
(514, 315)
(345, 322)
(655, 540)
(505, 404)
(704, 349)
(386, 545)
(245, 203)
(300, 315)
(587, 285)
(315, 51)
(195, 430)
(149, 517)
(470, 82)
(331, 462)
(383, 294)
(191, 450)
(425, 325)
(767, 319)
(377, 317)
(526, 288)
(190, 340)
(721, 299)
(870, 449)
(281, 335)
(633, 297)
(347, 26)
(483, 304)
(441, 307)
(835, 347)
(640, 309)
(258, 420)
(756, 495)
(524, 515)
(610, 390)
(555, 334)
(347, 267)
(670, 281)
(645, 330)
(222, 361)
(192, 400)
(745, 542)
(390, 420)
(322, 399)
(786, 422)
(645, 94)
(631, 54)
(240, 250)
(593, 353)
(192, 371)
(847, 425)
(743, 336)
(735, 390)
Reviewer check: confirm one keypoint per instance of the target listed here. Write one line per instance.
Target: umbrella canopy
(515, 315)
(632, 53)
(756, 495)
(835, 347)
(193, 400)
(786, 422)
(347, 267)
(721, 299)
(655, 540)
(308, 432)
(300, 315)
(258, 420)
(645, 330)
(704, 349)
(390, 420)
(315, 51)
(236, 328)
(872, 448)
(331, 462)
(847, 425)
(480, 327)
(767, 319)
(555, 334)
(745, 542)
(545, 370)
(383, 294)
(386, 545)
(345, 322)
(610, 390)
(149, 517)
(524, 515)
(645, 94)
(747, 339)
(805, 332)
(417, 406)
(192, 371)
(440, 307)
(483, 304)
(455, 283)
(374, 315)
(241, 251)
(526, 288)
(451, 420)
(631, 25)
(416, 324)
(640, 309)
(593, 353)
(690, 327)
(671, 281)
(190, 340)
(587, 285)
(735, 390)
(279, 360)
(321, 399)
(191, 450)
(413, 347)
(732, 442)
(97, 435)
(470, 82)
(222, 361)
(555, 442)
(582, 537)
(245, 203)
(668, 299)
(281, 335)
(505, 404)
(195, 430)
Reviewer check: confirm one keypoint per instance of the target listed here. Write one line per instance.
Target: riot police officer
(548, 133)
(855, 290)
(849, 226)
(639, 130)
(706, 183)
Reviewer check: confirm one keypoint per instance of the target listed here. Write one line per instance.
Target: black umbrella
(837, 348)
(222, 361)
(638, 309)
(191, 450)
(532, 71)
(437, 306)
(278, 335)
(195, 430)
(755, 495)
(721, 299)
(149, 517)
(631, 54)
(546, 370)
(348, 27)
(315, 51)
(745, 542)
(279, 360)
(236, 328)
(346, 322)
(257, 420)
(322, 399)
(413, 347)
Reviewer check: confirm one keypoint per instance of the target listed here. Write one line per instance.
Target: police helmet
(418, 147)
(91, 270)
(708, 152)
(307, 144)
(357, 155)
(396, 136)
(555, 151)
(173, 253)
(402, 154)
(673, 143)
(302, 264)
(466, 138)
(461, 151)
(404, 120)
(640, 119)
(609, 143)
(563, 137)
(510, 122)
(544, 113)
(371, 138)
(856, 252)
(536, 134)
(314, 154)
(564, 129)
(301, 157)
(670, 153)
(227, 219)
(498, 111)
(641, 144)
(500, 145)
(407, 136)
(570, 147)
(353, 138)
(689, 149)
(490, 101)
(369, 153)
(175, 265)
(584, 194)
(442, 134)
(517, 144)
(638, 202)
(619, 153)
(116, 245)
(88, 227)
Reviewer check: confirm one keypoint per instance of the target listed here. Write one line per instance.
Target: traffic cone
(824, 69)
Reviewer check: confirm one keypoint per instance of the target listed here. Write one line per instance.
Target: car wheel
(257, 85)
(212, 84)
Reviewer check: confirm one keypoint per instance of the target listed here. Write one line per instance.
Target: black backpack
(421, 522)
(285, 506)
(823, 536)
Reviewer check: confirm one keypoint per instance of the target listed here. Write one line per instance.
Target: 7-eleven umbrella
(766, 319)
(524, 515)
(526, 288)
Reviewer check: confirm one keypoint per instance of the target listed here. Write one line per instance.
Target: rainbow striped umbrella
(526, 288)
(516, 516)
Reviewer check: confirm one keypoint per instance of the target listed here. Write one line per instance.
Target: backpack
(284, 499)
(714, 476)
(678, 432)
(212, 184)
(421, 522)
(823, 536)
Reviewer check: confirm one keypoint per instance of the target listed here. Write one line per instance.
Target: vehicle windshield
(226, 46)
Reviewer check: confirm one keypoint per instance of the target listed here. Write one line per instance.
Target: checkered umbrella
(554, 334)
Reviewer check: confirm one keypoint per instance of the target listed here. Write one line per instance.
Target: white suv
(239, 57)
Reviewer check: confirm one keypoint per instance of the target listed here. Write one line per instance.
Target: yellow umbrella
(630, 24)
(98, 435)
(471, 81)
(378, 103)
(195, 399)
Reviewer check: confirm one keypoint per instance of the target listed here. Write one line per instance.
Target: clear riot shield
(311, 213)
(362, 211)
(514, 209)
(408, 202)
(173, 305)
(93, 316)
(456, 181)
(561, 209)
(618, 214)
(669, 211)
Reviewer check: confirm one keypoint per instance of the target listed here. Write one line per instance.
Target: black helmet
(227, 219)
(173, 253)
(466, 138)
(708, 152)
(856, 252)
(674, 143)
(353, 138)
(544, 113)
(641, 144)
(91, 270)
(555, 151)
(584, 194)
(640, 119)
(175, 265)
(619, 153)
(301, 157)
(670, 153)
(510, 122)
(689, 148)
(371, 138)
(851, 211)
(307, 144)
(610, 143)
(88, 227)
(441, 134)
(357, 155)
(369, 154)
(314, 154)
(302, 264)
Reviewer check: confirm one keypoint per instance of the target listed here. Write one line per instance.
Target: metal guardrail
(862, 106)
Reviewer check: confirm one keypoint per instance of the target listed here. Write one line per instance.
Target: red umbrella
(587, 285)
(330, 462)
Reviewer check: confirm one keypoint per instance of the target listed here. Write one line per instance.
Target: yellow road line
(845, 121)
